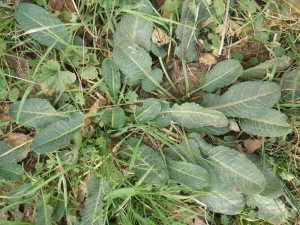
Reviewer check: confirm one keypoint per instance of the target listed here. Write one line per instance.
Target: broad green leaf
(11, 171)
(223, 200)
(186, 33)
(270, 123)
(191, 115)
(244, 99)
(188, 174)
(262, 69)
(111, 76)
(271, 210)
(235, 171)
(89, 72)
(131, 96)
(149, 111)
(21, 192)
(44, 212)
(53, 78)
(232, 169)
(92, 212)
(187, 151)
(163, 119)
(221, 75)
(35, 112)
(290, 86)
(113, 3)
(147, 159)
(59, 207)
(211, 130)
(135, 63)
(114, 117)
(74, 56)
(57, 135)
(13, 154)
(135, 29)
(274, 187)
(43, 26)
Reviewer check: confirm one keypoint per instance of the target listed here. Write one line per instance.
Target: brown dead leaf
(159, 37)
(16, 139)
(207, 59)
(4, 116)
(233, 29)
(234, 126)
(252, 145)
(56, 5)
(240, 149)
(98, 104)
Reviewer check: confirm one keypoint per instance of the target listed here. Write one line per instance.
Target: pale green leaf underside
(135, 63)
(221, 75)
(59, 81)
(290, 86)
(111, 76)
(21, 192)
(244, 99)
(274, 187)
(13, 154)
(31, 16)
(147, 159)
(114, 117)
(44, 213)
(57, 135)
(271, 210)
(191, 115)
(92, 212)
(35, 112)
(223, 200)
(89, 72)
(270, 123)
(261, 70)
(136, 29)
(235, 171)
(11, 171)
(149, 111)
(189, 174)
(185, 33)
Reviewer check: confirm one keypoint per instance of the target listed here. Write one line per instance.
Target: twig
(224, 28)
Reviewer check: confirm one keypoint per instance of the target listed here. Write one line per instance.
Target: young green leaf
(186, 33)
(270, 123)
(262, 69)
(111, 76)
(11, 171)
(35, 112)
(150, 109)
(44, 213)
(57, 135)
(189, 174)
(147, 159)
(221, 75)
(114, 117)
(53, 78)
(244, 99)
(88, 72)
(44, 27)
(135, 63)
(92, 212)
(135, 29)
(191, 115)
